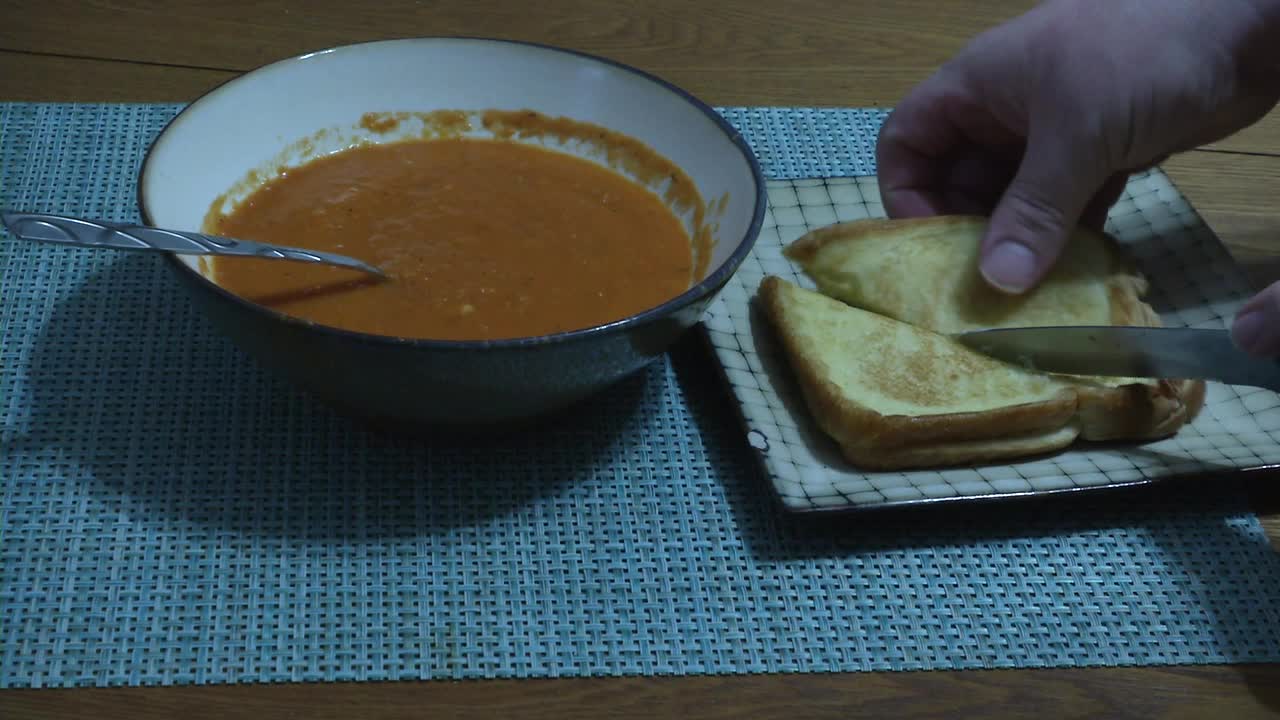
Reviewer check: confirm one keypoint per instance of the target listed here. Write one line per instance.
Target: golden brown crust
(1125, 292)
(961, 453)
(805, 248)
(853, 425)
(1139, 411)
(1130, 412)
(1193, 394)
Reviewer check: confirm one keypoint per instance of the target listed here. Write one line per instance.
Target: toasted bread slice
(923, 273)
(895, 396)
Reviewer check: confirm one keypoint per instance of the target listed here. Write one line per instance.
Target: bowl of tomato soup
(549, 222)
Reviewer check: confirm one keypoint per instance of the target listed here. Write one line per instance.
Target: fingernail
(1249, 333)
(1010, 266)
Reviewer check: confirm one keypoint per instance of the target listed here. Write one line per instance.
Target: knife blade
(1162, 352)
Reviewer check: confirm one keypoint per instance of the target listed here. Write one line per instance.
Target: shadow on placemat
(250, 454)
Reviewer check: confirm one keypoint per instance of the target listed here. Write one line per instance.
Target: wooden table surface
(728, 52)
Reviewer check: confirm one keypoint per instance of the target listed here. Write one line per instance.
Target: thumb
(1256, 329)
(1038, 211)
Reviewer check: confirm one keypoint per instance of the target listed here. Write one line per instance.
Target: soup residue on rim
(485, 238)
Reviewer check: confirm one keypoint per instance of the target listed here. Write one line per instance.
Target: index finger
(912, 142)
(925, 134)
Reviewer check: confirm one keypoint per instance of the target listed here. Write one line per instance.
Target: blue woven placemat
(172, 514)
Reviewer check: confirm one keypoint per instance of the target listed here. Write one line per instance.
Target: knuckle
(1033, 212)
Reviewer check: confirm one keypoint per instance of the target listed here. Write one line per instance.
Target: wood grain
(750, 52)
(725, 35)
(23, 78)
(1236, 196)
(1147, 693)
(27, 78)
(1262, 137)
(802, 52)
(812, 52)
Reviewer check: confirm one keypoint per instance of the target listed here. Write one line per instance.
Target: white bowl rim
(717, 278)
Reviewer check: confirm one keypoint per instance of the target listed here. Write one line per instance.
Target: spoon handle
(63, 230)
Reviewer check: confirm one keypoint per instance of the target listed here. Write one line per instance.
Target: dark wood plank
(726, 35)
(1262, 137)
(813, 52)
(26, 77)
(1236, 196)
(43, 78)
(1146, 693)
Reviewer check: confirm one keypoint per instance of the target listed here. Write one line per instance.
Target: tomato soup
(482, 239)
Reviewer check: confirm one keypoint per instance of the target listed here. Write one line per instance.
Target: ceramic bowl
(252, 120)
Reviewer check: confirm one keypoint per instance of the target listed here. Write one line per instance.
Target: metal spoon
(63, 230)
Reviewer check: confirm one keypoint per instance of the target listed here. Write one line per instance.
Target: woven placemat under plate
(172, 514)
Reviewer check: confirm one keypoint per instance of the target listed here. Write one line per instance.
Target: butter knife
(1172, 353)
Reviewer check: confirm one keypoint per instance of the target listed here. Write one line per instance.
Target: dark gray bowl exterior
(413, 385)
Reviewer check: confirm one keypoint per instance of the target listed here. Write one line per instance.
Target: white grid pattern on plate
(1194, 283)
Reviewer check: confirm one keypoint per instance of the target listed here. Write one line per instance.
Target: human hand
(1039, 122)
